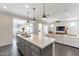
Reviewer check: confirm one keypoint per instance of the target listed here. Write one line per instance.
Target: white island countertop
(39, 40)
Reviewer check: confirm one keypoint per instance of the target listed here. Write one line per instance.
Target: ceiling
(54, 11)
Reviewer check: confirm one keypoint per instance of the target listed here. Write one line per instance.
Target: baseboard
(6, 44)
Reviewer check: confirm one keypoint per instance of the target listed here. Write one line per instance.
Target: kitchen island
(35, 45)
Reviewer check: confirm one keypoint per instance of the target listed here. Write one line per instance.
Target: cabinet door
(27, 51)
(72, 42)
(19, 43)
(68, 41)
(35, 48)
(34, 53)
(76, 43)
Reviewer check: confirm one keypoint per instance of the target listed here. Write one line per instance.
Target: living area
(65, 32)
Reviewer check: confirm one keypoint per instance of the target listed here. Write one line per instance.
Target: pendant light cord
(44, 16)
(27, 14)
(28, 17)
(44, 8)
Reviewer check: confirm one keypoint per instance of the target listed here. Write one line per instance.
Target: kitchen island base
(30, 49)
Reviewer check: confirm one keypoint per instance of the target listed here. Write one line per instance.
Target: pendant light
(28, 23)
(44, 16)
(28, 17)
(34, 20)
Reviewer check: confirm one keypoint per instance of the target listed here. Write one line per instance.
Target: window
(18, 24)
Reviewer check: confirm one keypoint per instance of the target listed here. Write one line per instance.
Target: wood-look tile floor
(60, 50)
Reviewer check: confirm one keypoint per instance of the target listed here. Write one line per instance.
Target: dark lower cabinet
(29, 49)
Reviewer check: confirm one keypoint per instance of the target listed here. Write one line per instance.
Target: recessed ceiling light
(26, 6)
(5, 7)
(66, 10)
(52, 25)
(72, 24)
(67, 14)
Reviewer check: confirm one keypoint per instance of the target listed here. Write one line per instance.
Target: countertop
(39, 40)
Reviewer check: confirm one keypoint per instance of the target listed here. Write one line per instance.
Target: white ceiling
(54, 11)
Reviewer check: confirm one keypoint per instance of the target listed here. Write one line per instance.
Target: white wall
(6, 29)
(73, 30)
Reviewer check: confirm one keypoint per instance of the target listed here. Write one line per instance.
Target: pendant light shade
(34, 20)
(28, 17)
(44, 16)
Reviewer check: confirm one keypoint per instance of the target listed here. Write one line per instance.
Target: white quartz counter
(39, 40)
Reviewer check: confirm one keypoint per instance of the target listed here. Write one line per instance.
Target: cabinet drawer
(35, 48)
(26, 43)
(35, 53)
